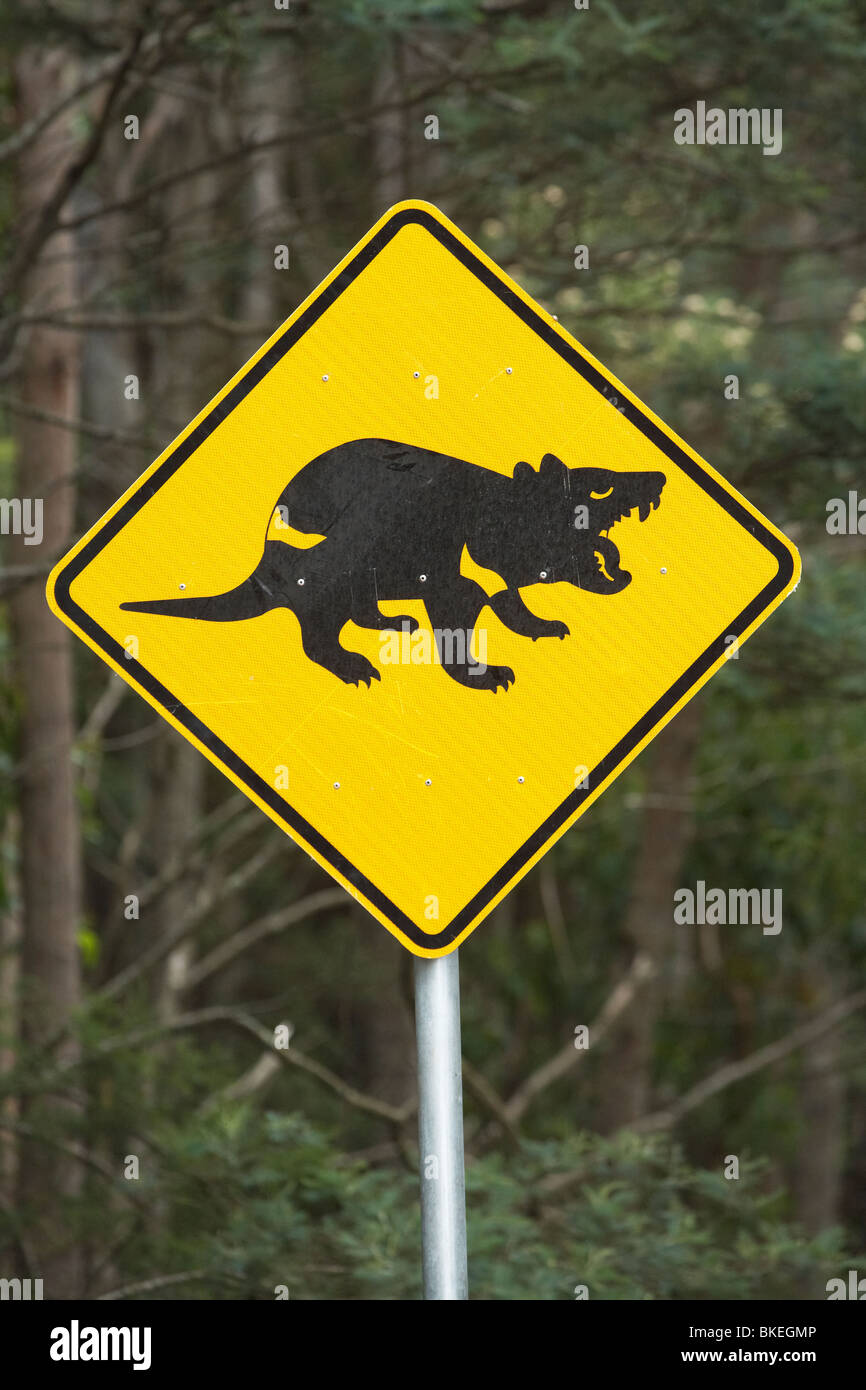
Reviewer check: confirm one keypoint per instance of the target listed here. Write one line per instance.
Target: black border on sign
(245, 774)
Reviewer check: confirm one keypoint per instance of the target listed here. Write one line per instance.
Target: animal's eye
(599, 495)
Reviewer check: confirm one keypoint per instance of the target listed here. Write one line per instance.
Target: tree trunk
(48, 381)
(10, 1015)
(820, 1155)
(626, 1075)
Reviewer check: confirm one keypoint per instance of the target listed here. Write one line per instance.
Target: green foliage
(233, 1200)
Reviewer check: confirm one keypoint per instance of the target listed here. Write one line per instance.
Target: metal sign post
(440, 1127)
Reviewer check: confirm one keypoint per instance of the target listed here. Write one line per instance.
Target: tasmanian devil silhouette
(395, 519)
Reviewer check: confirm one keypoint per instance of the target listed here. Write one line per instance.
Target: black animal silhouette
(395, 519)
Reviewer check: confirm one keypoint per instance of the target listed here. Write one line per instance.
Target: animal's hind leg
(365, 608)
(320, 636)
(454, 611)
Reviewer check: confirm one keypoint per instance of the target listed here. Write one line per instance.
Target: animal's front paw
(355, 669)
(492, 678)
(553, 628)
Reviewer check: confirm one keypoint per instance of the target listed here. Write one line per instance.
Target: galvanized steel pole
(440, 1127)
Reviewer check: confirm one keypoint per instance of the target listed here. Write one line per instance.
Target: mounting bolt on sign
(461, 578)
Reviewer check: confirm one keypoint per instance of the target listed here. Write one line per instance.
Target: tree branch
(732, 1072)
(46, 222)
(85, 427)
(270, 925)
(160, 1281)
(166, 944)
(290, 1057)
(642, 969)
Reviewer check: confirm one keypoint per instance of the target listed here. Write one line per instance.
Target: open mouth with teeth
(606, 574)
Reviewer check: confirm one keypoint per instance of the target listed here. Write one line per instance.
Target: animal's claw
(491, 678)
(358, 671)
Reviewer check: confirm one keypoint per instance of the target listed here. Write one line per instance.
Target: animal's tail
(248, 600)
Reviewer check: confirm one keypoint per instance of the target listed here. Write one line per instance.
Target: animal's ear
(552, 467)
(523, 473)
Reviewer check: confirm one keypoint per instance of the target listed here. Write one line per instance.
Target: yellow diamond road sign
(423, 578)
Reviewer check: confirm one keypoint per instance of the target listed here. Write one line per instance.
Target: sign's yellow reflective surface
(425, 797)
